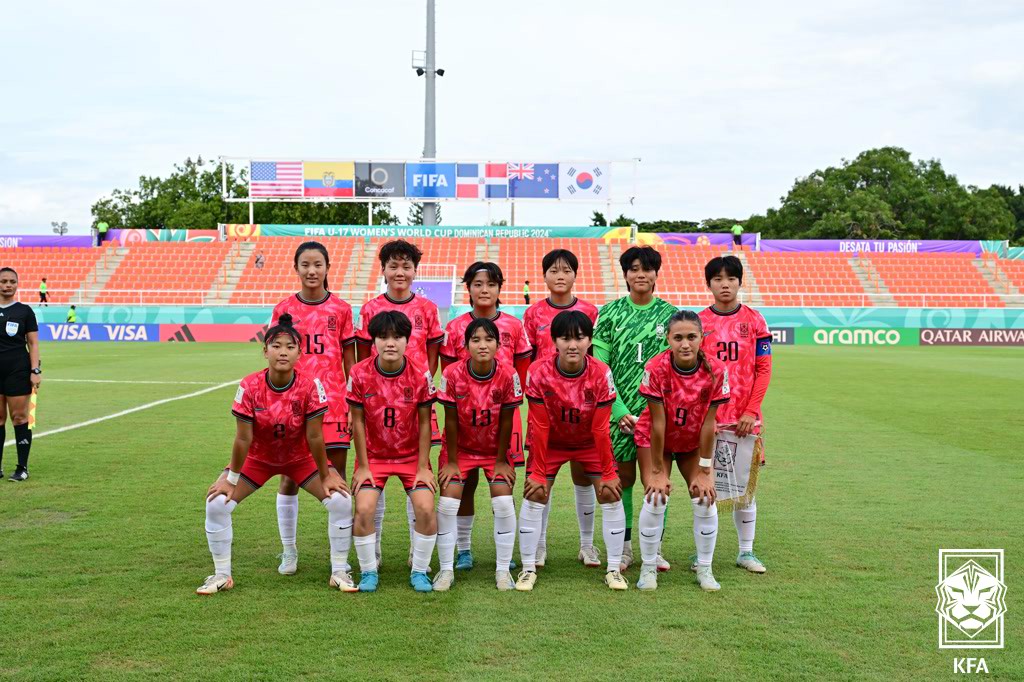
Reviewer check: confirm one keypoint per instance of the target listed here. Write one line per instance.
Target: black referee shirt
(16, 320)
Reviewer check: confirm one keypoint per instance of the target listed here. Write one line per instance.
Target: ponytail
(284, 326)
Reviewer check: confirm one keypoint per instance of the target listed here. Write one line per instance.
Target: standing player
(684, 390)
(391, 403)
(630, 331)
(571, 398)
(279, 414)
(560, 267)
(324, 323)
(399, 261)
(480, 396)
(484, 282)
(20, 369)
(738, 336)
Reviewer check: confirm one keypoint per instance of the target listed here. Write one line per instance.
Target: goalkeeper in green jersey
(629, 332)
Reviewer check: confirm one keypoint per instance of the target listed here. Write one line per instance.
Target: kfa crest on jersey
(332, 323)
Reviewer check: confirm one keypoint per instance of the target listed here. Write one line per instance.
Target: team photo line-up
(640, 382)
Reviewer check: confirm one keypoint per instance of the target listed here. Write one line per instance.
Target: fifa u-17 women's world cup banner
(736, 462)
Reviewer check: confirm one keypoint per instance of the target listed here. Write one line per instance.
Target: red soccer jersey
(514, 343)
(390, 405)
(479, 401)
(279, 416)
(736, 339)
(537, 322)
(326, 328)
(570, 400)
(421, 311)
(686, 395)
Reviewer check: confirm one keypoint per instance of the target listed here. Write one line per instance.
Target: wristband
(233, 477)
(704, 463)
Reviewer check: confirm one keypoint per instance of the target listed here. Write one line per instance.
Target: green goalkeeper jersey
(625, 338)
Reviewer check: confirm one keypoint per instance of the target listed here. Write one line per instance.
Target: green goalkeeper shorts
(623, 447)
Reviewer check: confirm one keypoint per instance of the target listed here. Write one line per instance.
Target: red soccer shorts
(256, 473)
(588, 457)
(383, 469)
(435, 432)
(642, 434)
(468, 464)
(337, 435)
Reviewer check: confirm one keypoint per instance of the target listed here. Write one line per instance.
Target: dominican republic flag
(481, 181)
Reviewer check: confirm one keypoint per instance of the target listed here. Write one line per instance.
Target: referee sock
(23, 441)
(627, 505)
(287, 519)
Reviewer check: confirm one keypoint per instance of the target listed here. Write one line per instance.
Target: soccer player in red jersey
(399, 261)
(560, 267)
(571, 396)
(324, 323)
(391, 400)
(279, 414)
(738, 335)
(480, 396)
(684, 389)
(484, 282)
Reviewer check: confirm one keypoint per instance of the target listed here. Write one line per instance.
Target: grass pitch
(877, 458)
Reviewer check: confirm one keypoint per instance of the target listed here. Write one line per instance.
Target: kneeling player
(571, 398)
(480, 396)
(683, 388)
(390, 401)
(279, 415)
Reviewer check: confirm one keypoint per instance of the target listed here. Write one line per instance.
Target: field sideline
(877, 458)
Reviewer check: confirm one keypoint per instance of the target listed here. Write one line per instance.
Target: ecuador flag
(329, 178)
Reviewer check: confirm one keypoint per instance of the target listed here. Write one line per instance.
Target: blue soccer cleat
(420, 582)
(368, 581)
(464, 561)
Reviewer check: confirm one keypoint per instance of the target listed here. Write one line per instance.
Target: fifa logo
(971, 599)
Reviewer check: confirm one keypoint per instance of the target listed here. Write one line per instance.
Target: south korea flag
(584, 181)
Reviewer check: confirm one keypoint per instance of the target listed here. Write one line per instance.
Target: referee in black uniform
(20, 373)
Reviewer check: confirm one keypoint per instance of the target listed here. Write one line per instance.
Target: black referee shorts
(15, 370)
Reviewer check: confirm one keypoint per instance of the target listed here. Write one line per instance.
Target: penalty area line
(139, 408)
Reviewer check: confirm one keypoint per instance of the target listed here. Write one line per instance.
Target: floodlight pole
(430, 113)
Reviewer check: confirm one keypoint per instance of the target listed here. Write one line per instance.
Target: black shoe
(19, 475)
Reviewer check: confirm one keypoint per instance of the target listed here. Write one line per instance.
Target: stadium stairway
(872, 282)
(98, 277)
(226, 280)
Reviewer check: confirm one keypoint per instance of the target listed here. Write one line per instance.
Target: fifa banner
(251, 232)
(736, 463)
(99, 332)
(846, 336)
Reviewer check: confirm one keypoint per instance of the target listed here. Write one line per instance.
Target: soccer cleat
(512, 565)
(289, 562)
(627, 558)
(750, 562)
(368, 581)
(707, 580)
(648, 580)
(420, 582)
(526, 581)
(343, 581)
(588, 555)
(663, 565)
(542, 555)
(444, 580)
(693, 563)
(615, 581)
(503, 581)
(464, 561)
(214, 584)
(19, 475)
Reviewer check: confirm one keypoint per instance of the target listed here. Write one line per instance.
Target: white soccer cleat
(750, 562)
(693, 563)
(542, 555)
(589, 557)
(662, 564)
(627, 558)
(444, 580)
(707, 580)
(615, 581)
(648, 580)
(214, 584)
(342, 580)
(289, 563)
(527, 579)
(503, 581)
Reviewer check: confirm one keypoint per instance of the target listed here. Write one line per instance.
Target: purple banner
(21, 241)
(696, 238)
(872, 245)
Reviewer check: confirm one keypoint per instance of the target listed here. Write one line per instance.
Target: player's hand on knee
(506, 471)
(532, 488)
(610, 488)
(362, 477)
(425, 477)
(703, 488)
(334, 483)
(220, 487)
(448, 472)
(658, 489)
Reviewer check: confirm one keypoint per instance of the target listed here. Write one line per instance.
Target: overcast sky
(725, 103)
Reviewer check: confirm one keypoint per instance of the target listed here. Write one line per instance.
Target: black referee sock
(23, 441)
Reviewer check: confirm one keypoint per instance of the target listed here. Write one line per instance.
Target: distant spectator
(72, 316)
(260, 260)
(44, 299)
(101, 233)
(526, 292)
(737, 234)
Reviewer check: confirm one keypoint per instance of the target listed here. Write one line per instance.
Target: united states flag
(275, 179)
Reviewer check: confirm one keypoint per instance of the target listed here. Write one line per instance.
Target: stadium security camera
(419, 71)
(440, 72)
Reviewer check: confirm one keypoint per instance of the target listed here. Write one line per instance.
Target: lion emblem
(971, 599)
(725, 453)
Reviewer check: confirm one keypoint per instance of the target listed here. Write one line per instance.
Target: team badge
(12, 328)
(296, 408)
(588, 396)
(971, 599)
(506, 339)
(660, 330)
(705, 394)
(725, 453)
(418, 321)
(744, 330)
(496, 396)
(332, 323)
(408, 393)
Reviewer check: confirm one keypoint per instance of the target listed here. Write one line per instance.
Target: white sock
(422, 548)
(287, 519)
(410, 515)
(586, 502)
(465, 537)
(366, 553)
(613, 527)
(746, 524)
(378, 521)
(542, 540)
(447, 508)
(339, 530)
(529, 533)
(219, 533)
(504, 530)
(652, 521)
(705, 531)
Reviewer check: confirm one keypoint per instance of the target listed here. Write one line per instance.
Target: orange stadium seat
(65, 269)
(934, 280)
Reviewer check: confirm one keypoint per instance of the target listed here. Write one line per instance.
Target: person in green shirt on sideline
(101, 233)
(72, 316)
(629, 332)
(526, 292)
(737, 234)
(44, 299)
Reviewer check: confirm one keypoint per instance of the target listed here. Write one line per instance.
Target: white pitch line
(127, 381)
(122, 413)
